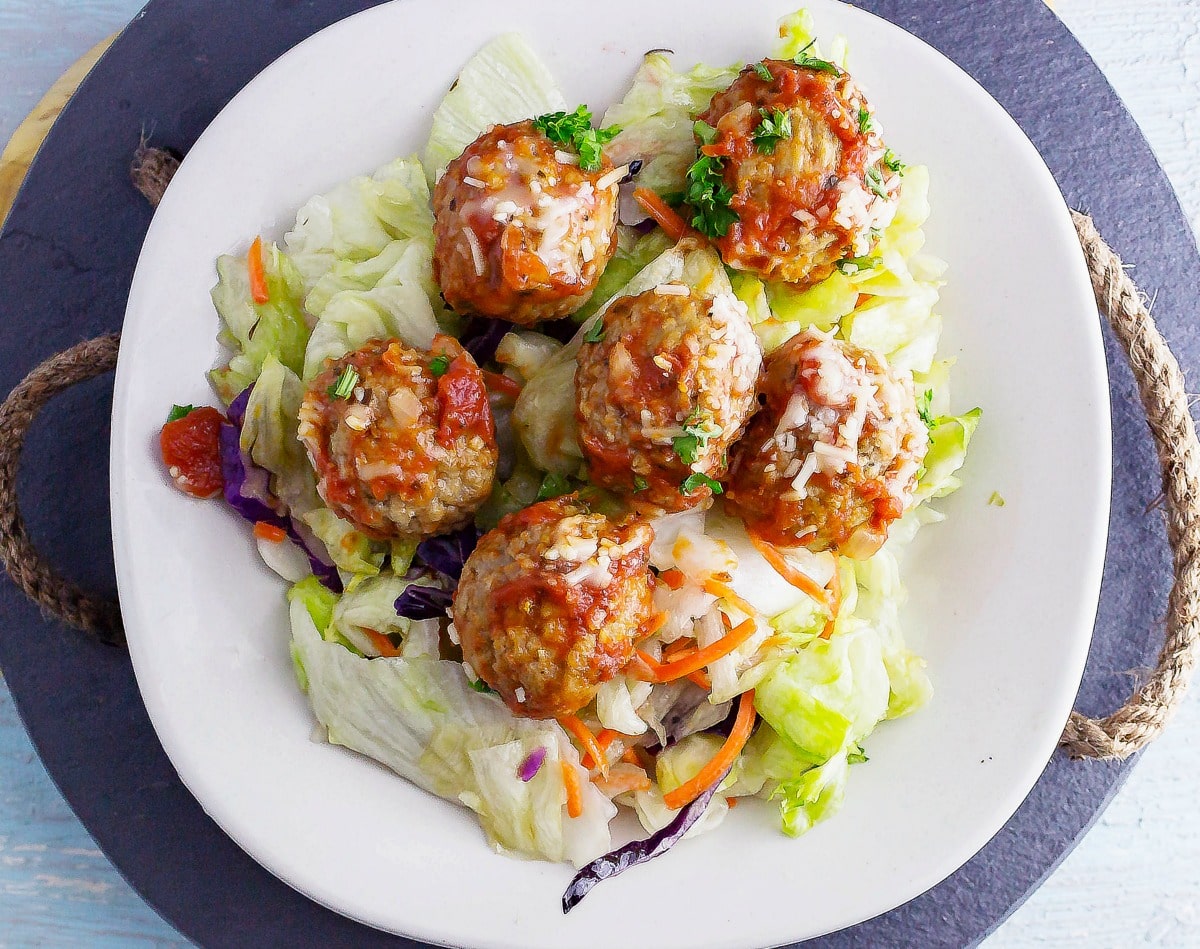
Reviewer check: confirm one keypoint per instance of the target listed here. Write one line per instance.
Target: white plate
(1003, 599)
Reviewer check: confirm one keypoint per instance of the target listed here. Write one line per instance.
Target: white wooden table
(1135, 880)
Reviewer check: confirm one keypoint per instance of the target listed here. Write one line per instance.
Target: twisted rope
(1160, 384)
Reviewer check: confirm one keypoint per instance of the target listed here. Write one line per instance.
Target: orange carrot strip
(606, 737)
(594, 755)
(678, 648)
(644, 666)
(265, 531)
(258, 274)
(700, 678)
(382, 643)
(656, 622)
(721, 762)
(499, 382)
(672, 224)
(673, 578)
(732, 802)
(630, 756)
(725, 592)
(694, 662)
(796, 578)
(835, 602)
(622, 780)
(574, 791)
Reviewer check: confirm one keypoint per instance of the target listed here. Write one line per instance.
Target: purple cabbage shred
(482, 336)
(532, 764)
(419, 601)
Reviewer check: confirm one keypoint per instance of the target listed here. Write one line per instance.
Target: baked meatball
(814, 192)
(522, 232)
(832, 458)
(402, 441)
(664, 393)
(551, 603)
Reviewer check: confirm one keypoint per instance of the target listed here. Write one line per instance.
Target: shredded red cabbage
(531, 765)
(247, 491)
(447, 554)
(481, 337)
(419, 601)
(639, 851)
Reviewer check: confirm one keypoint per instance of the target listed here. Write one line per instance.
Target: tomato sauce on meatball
(664, 393)
(407, 447)
(551, 603)
(522, 233)
(833, 456)
(807, 198)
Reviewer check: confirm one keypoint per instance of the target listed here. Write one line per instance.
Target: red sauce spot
(191, 451)
(463, 399)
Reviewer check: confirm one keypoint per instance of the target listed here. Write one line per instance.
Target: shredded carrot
(724, 591)
(606, 737)
(594, 755)
(656, 622)
(630, 756)
(382, 643)
(499, 382)
(624, 779)
(574, 791)
(265, 531)
(732, 802)
(673, 578)
(721, 762)
(672, 224)
(695, 661)
(796, 578)
(835, 601)
(700, 678)
(678, 648)
(258, 274)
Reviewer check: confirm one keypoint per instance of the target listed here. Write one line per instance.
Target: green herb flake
(805, 61)
(574, 129)
(893, 163)
(179, 411)
(596, 333)
(875, 182)
(925, 409)
(865, 122)
(553, 486)
(439, 365)
(480, 686)
(345, 384)
(697, 431)
(709, 197)
(853, 265)
(694, 482)
(774, 127)
(640, 483)
(704, 132)
(996, 500)
(673, 199)
(763, 73)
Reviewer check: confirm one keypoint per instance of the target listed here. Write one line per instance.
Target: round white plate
(1003, 598)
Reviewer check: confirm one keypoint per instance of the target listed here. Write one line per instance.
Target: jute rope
(1160, 384)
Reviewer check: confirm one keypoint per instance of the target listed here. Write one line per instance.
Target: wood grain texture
(1135, 880)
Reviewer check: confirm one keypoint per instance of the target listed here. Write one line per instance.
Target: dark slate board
(66, 259)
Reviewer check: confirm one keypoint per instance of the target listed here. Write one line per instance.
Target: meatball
(522, 232)
(664, 393)
(402, 441)
(814, 192)
(833, 456)
(551, 603)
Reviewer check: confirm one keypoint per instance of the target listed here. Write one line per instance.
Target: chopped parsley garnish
(775, 125)
(596, 333)
(925, 409)
(439, 365)
(763, 73)
(704, 132)
(575, 129)
(694, 482)
(804, 61)
(553, 486)
(673, 199)
(480, 686)
(640, 483)
(852, 265)
(865, 122)
(893, 163)
(345, 383)
(709, 198)
(179, 411)
(697, 430)
(875, 182)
